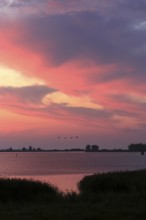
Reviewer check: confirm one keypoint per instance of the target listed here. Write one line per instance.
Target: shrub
(26, 190)
(130, 181)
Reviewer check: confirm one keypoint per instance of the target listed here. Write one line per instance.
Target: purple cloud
(28, 93)
(104, 40)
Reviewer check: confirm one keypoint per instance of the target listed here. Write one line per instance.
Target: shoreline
(65, 182)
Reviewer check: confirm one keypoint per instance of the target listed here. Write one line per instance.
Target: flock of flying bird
(67, 137)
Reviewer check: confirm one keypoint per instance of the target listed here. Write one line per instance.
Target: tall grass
(113, 182)
(118, 195)
(27, 190)
(116, 182)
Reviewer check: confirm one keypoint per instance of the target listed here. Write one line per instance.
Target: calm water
(66, 169)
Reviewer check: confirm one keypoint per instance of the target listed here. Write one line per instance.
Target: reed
(117, 195)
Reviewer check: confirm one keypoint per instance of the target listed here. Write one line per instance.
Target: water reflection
(66, 169)
(63, 182)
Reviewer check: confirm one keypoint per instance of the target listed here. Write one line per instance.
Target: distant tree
(23, 149)
(30, 148)
(140, 147)
(88, 148)
(94, 148)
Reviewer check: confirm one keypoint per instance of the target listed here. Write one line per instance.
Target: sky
(72, 68)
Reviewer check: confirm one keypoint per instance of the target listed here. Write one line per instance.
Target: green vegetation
(117, 195)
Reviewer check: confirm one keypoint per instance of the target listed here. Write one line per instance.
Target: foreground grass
(119, 195)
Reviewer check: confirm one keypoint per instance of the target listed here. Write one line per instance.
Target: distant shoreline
(68, 151)
(139, 147)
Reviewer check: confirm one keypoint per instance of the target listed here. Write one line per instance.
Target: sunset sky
(72, 68)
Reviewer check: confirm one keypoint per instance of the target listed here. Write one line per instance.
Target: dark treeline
(39, 149)
(138, 147)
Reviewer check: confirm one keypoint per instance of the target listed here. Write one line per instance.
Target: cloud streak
(27, 93)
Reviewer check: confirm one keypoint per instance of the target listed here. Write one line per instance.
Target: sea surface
(66, 169)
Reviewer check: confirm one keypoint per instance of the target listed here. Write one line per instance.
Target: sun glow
(10, 77)
(70, 101)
